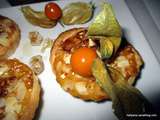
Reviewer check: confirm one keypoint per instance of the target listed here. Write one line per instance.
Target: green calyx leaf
(125, 98)
(105, 23)
(106, 48)
(106, 27)
(109, 46)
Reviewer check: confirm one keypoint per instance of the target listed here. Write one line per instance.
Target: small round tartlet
(9, 37)
(19, 91)
(127, 61)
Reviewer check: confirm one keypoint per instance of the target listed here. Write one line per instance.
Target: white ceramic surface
(56, 103)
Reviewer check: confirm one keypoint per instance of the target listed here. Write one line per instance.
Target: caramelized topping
(4, 82)
(22, 71)
(71, 43)
(17, 70)
(79, 40)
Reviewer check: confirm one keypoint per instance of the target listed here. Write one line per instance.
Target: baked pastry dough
(9, 36)
(19, 91)
(127, 61)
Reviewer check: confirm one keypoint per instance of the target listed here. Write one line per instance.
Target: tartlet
(9, 37)
(19, 91)
(127, 61)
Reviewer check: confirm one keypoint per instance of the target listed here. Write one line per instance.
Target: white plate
(59, 105)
